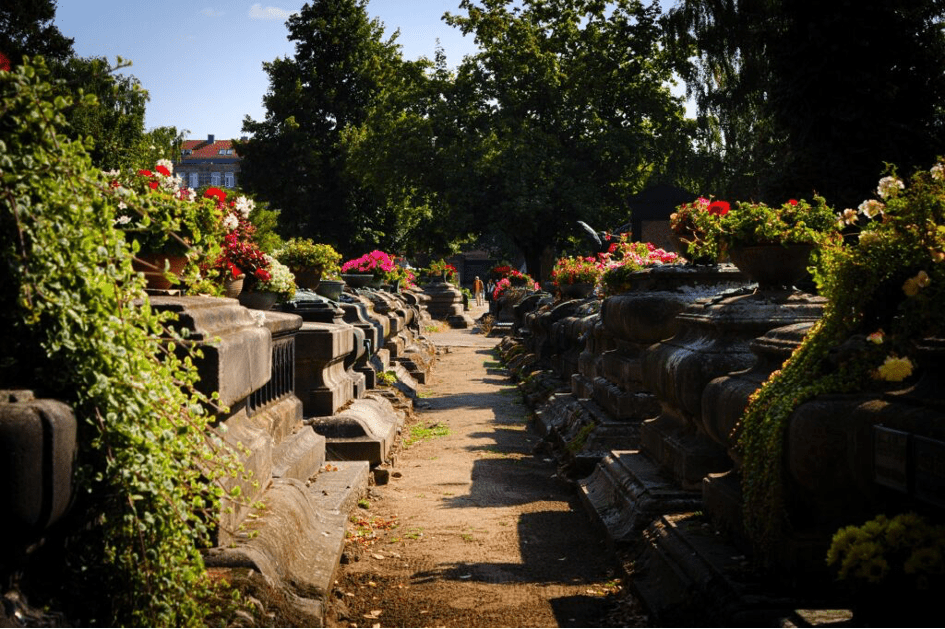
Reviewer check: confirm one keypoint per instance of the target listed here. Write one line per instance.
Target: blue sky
(201, 60)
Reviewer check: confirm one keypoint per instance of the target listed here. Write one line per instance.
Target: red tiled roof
(202, 150)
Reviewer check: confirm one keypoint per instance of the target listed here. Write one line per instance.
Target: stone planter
(578, 290)
(772, 266)
(357, 280)
(330, 289)
(258, 300)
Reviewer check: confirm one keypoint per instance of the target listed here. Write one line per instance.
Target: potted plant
(900, 558)
(576, 277)
(370, 269)
(171, 230)
(772, 246)
(442, 271)
(694, 227)
(273, 284)
(626, 258)
(308, 261)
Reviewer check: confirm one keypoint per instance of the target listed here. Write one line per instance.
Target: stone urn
(772, 266)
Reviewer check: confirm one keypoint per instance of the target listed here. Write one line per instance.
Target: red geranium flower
(792, 201)
(145, 173)
(216, 193)
(4, 62)
(153, 185)
(163, 170)
(719, 208)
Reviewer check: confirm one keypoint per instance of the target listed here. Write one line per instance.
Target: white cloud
(259, 12)
(211, 12)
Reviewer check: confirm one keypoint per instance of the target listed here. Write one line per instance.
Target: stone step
(626, 492)
(300, 455)
(296, 541)
(363, 431)
(688, 574)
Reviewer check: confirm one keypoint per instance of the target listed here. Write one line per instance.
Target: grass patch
(425, 432)
(386, 378)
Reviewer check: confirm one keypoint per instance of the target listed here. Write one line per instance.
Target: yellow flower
(895, 369)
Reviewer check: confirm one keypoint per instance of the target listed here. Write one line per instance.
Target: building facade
(209, 162)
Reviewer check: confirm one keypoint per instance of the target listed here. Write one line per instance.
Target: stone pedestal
(446, 304)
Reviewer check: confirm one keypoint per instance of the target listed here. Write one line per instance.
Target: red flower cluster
(719, 208)
(215, 193)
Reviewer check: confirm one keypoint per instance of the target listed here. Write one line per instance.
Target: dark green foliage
(565, 113)
(799, 97)
(77, 324)
(26, 28)
(295, 158)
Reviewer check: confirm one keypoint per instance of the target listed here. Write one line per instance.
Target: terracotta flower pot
(152, 265)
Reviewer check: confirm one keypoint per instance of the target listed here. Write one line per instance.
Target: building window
(194, 180)
(229, 180)
(214, 179)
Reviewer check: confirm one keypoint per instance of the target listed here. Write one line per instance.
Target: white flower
(871, 208)
(121, 206)
(122, 220)
(244, 206)
(231, 222)
(111, 174)
(166, 163)
(889, 186)
(938, 172)
(848, 217)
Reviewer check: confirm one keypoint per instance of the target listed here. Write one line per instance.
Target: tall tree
(26, 28)
(809, 97)
(295, 157)
(571, 114)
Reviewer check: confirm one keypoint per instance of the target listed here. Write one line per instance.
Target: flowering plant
(885, 293)
(500, 271)
(906, 548)
(795, 222)
(160, 216)
(516, 281)
(238, 250)
(694, 224)
(303, 254)
(625, 258)
(577, 270)
(377, 263)
(437, 268)
(276, 278)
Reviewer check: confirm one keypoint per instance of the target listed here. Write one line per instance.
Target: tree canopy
(808, 98)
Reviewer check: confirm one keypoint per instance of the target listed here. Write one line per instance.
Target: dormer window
(187, 151)
(221, 152)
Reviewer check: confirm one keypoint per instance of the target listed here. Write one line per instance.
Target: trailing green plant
(77, 323)
(885, 292)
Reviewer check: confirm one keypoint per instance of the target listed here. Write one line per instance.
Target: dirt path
(474, 530)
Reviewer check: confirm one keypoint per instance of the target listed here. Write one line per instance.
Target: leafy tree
(296, 157)
(806, 99)
(567, 112)
(26, 28)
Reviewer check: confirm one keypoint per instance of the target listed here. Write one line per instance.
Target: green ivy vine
(77, 325)
(885, 290)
